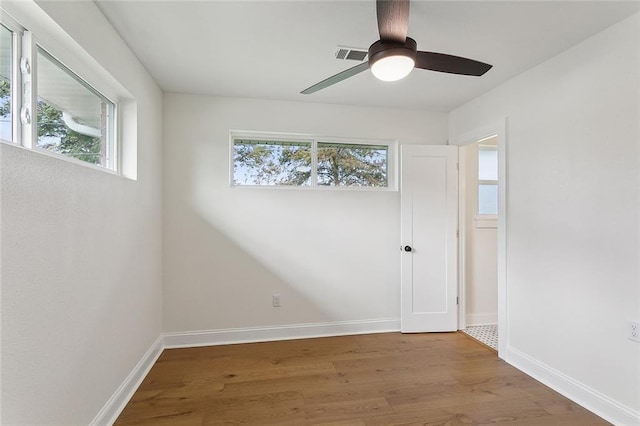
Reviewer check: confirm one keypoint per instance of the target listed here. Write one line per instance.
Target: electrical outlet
(634, 331)
(275, 300)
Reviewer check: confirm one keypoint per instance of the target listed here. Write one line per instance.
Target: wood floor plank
(375, 379)
(343, 411)
(501, 411)
(280, 384)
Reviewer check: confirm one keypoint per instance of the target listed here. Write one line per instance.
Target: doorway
(497, 128)
(478, 243)
(483, 132)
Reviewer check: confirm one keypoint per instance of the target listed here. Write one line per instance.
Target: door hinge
(457, 300)
(457, 233)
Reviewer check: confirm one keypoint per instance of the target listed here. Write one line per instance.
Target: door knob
(407, 248)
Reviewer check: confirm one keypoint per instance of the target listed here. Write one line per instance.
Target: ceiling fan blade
(393, 20)
(336, 78)
(450, 64)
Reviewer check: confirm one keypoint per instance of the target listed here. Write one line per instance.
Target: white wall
(81, 253)
(573, 211)
(480, 249)
(331, 255)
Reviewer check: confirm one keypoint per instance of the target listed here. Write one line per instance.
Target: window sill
(65, 158)
(486, 221)
(316, 188)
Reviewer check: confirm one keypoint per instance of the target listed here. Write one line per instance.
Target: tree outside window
(309, 163)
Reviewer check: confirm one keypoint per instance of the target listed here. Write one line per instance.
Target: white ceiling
(275, 49)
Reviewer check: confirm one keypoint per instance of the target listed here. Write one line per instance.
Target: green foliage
(53, 134)
(50, 122)
(273, 163)
(342, 165)
(297, 165)
(5, 98)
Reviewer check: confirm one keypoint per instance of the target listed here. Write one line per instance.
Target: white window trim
(486, 221)
(392, 155)
(16, 83)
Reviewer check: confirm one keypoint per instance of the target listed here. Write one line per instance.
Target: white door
(429, 226)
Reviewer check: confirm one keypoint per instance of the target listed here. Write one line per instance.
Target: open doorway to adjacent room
(479, 239)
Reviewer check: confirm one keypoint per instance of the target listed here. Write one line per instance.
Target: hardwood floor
(375, 379)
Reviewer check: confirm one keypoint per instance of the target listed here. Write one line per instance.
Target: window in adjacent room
(287, 161)
(488, 177)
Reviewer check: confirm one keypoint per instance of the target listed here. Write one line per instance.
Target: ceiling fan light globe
(392, 68)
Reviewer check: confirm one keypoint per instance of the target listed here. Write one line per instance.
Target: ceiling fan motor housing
(380, 49)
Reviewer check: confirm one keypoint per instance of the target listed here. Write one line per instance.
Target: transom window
(310, 162)
(55, 110)
(73, 119)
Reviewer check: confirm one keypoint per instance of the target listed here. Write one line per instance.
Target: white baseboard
(114, 406)
(589, 398)
(482, 319)
(282, 332)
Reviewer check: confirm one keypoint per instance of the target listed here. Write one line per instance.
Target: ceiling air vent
(351, 53)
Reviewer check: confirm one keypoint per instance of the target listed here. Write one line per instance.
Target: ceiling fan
(394, 56)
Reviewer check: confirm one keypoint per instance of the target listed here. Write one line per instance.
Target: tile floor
(487, 334)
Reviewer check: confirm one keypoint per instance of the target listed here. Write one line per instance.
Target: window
(265, 162)
(342, 164)
(72, 118)
(488, 178)
(55, 110)
(6, 83)
(309, 162)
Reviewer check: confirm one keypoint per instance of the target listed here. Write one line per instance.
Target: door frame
(497, 128)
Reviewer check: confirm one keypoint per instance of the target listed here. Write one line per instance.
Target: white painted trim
(114, 406)
(462, 239)
(503, 285)
(498, 128)
(481, 319)
(578, 392)
(280, 332)
(486, 222)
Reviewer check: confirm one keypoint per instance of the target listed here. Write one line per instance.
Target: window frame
(112, 113)
(485, 216)
(285, 139)
(28, 40)
(16, 76)
(391, 146)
